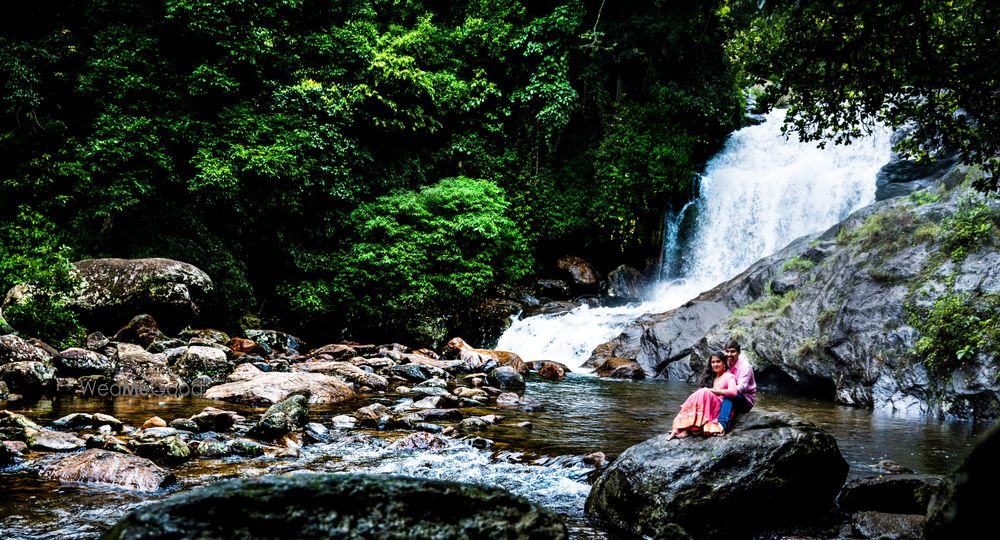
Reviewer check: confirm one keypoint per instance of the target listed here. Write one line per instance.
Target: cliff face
(896, 308)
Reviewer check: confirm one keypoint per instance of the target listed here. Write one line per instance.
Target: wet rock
(317, 432)
(506, 377)
(282, 418)
(884, 525)
(249, 385)
(107, 442)
(170, 450)
(199, 360)
(422, 441)
(67, 385)
(473, 424)
(470, 393)
(896, 494)
(165, 345)
(6, 454)
(96, 341)
(142, 330)
(774, 469)
(429, 402)
(335, 351)
(4, 391)
(346, 371)
(958, 508)
(75, 362)
(154, 421)
(245, 447)
(213, 448)
(620, 368)
(410, 372)
(552, 371)
(484, 359)
(579, 273)
(28, 378)
(372, 415)
(141, 371)
(15, 426)
(115, 290)
(275, 342)
(625, 282)
(209, 335)
(76, 421)
(212, 419)
(596, 459)
(508, 398)
(16, 349)
(431, 415)
(46, 440)
(108, 468)
(342, 506)
(185, 424)
(343, 421)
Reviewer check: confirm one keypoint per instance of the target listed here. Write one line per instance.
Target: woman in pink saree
(700, 412)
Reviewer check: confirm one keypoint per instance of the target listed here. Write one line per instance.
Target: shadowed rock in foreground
(307, 506)
(773, 469)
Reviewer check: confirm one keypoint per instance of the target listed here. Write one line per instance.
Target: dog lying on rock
(476, 359)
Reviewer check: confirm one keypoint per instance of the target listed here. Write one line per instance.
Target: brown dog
(474, 358)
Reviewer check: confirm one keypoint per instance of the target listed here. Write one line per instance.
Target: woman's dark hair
(709, 378)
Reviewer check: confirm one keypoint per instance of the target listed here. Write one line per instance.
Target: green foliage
(419, 258)
(974, 224)
(841, 65)
(798, 264)
(30, 254)
(886, 231)
(250, 138)
(955, 328)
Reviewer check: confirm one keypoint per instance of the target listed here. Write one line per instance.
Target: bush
(417, 260)
(955, 328)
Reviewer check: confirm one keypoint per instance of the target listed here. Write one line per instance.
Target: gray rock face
(342, 506)
(772, 469)
(15, 349)
(625, 282)
(893, 494)
(76, 362)
(115, 290)
(31, 377)
(96, 466)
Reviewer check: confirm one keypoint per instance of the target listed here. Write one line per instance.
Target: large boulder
(248, 384)
(96, 466)
(581, 275)
(774, 469)
(16, 349)
(31, 378)
(957, 510)
(308, 506)
(112, 291)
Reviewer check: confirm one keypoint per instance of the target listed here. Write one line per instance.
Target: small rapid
(759, 193)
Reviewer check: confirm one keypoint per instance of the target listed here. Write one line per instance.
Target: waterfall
(670, 266)
(759, 193)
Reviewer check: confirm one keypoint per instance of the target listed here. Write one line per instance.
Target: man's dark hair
(731, 344)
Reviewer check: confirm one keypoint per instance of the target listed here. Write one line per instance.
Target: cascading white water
(758, 194)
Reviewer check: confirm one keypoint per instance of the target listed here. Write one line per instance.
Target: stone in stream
(247, 384)
(282, 418)
(774, 469)
(306, 506)
(110, 468)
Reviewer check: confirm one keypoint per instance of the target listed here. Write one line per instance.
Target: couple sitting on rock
(728, 386)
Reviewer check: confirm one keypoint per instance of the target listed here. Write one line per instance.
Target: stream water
(578, 415)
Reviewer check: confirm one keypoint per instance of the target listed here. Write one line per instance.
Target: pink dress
(700, 412)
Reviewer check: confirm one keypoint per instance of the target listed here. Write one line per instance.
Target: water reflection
(576, 416)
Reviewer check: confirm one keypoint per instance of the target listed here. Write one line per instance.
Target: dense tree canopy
(932, 66)
(262, 140)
